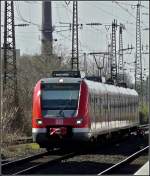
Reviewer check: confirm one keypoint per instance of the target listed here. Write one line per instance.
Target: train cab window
(59, 99)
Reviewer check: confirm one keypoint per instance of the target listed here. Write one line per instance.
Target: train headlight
(61, 80)
(79, 121)
(39, 121)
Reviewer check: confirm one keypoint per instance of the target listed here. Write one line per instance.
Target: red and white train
(68, 107)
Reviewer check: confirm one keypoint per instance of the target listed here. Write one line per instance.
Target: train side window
(92, 99)
(95, 106)
(124, 103)
(133, 104)
(115, 106)
(100, 103)
(134, 107)
(108, 102)
(95, 100)
(128, 105)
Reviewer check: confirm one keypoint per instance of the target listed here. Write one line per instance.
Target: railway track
(97, 159)
(5, 161)
(117, 168)
(30, 164)
(33, 164)
(12, 166)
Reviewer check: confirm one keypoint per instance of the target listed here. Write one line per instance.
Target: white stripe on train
(76, 130)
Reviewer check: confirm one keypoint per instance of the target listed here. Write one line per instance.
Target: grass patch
(21, 150)
(11, 150)
(34, 146)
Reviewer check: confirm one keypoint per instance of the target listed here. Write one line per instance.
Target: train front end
(60, 111)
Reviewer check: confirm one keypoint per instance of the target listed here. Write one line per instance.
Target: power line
(22, 18)
(107, 12)
(69, 17)
(125, 9)
(132, 5)
(118, 3)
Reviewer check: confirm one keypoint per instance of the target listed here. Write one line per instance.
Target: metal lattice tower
(121, 61)
(113, 52)
(10, 69)
(109, 62)
(75, 52)
(138, 55)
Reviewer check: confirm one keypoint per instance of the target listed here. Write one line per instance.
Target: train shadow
(124, 146)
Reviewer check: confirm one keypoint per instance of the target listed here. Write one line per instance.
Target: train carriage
(74, 108)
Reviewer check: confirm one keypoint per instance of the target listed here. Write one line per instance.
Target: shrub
(144, 114)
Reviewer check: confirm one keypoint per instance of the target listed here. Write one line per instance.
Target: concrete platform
(144, 170)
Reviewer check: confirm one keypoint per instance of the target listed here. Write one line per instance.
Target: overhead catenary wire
(67, 8)
(125, 9)
(69, 38)
(97, 29)
(22, 18)
(130, 33)
(107, 12)
(131, 5)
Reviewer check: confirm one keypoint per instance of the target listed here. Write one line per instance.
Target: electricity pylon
(75, 50)
(10, 68)
(138, 55)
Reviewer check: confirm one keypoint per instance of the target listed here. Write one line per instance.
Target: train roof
(96, 86)
(110, 89)
(65, 80)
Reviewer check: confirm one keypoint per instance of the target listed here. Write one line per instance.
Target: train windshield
(59, 100)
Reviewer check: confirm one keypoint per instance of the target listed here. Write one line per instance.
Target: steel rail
(11, 164)
(33, 169)
(4, 161)
(125, 161)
